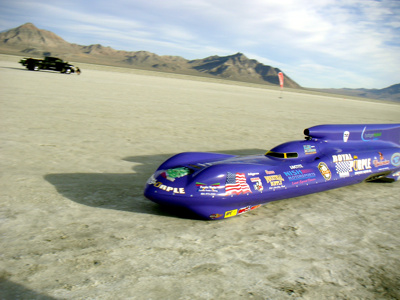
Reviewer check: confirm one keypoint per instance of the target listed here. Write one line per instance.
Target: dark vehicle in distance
(48, 63)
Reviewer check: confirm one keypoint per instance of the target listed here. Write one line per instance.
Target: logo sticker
(208, 189)
(395, 160)
(257, 184)
(298, 166)
(166, 188)
(381, 161)
(275, 181)
(231, 213)
(346, 135)
(325, 172)
(215, 216)
(369, 136)
(309, 149)
(244, 209)
(345, 164)
(172, 174)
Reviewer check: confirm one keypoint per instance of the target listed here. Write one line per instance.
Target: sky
(317, 43)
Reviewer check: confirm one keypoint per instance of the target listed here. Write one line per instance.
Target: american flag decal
(236, 184)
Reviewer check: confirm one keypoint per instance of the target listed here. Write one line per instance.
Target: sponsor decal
(236, 184)
(275, 181)
(342, 157)
(309, 149)
(346, 135)
(208, 189)
(325, 172)
(395, 160)
(269, 172)
(166, 188)
(303, 181)
(362, 164)
(299, 166)
(172, 174)
(215, 216)
(345, 164)
(247, 209)
(243, 210)
(299, 174)
(257, 184)
(381, 161)
(231, 213)
(253, 174)
(362, 172)
(371, 135)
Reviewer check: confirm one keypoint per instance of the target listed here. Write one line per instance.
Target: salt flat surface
(76, 152)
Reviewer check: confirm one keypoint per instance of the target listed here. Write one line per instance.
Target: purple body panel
(218, 186)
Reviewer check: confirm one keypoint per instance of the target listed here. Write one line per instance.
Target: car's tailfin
(355, 133)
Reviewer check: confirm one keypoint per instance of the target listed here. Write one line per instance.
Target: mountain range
(391, 93)
(28, 40)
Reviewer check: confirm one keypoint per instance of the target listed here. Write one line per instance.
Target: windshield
(282, 155)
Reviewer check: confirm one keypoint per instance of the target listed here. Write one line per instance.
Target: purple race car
(218, 186)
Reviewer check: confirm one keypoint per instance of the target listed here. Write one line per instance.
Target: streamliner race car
(217, 186)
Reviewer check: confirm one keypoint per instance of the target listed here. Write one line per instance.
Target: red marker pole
(280, 75)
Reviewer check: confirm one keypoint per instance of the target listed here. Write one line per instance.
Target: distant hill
(239, 67)
(28, 35)
(391, 93)
(28, 40)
